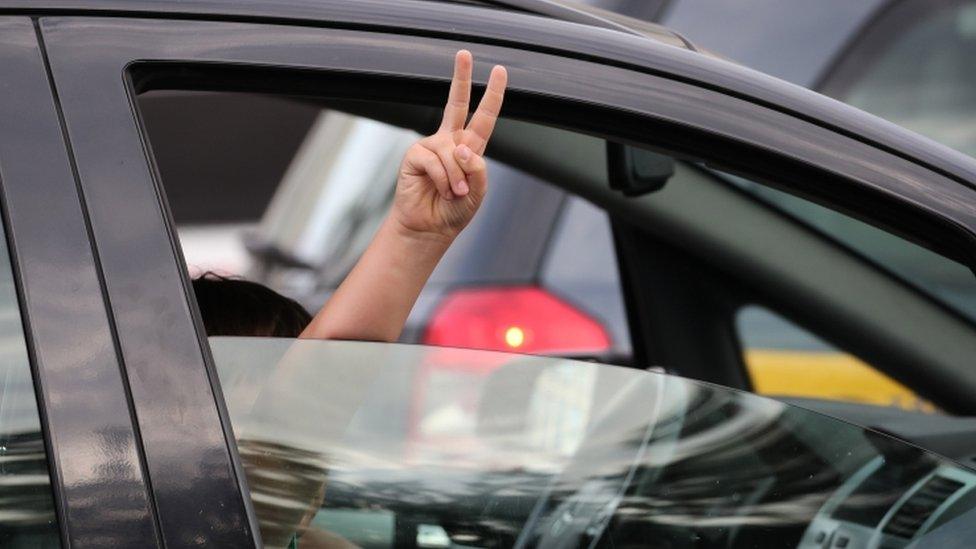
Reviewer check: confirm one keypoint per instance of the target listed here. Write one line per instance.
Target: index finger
(456, 110)
(483, 121)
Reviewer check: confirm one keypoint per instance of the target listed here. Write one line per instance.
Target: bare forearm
(441, 183)
(373, 302)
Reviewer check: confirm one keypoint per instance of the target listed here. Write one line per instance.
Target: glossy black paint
(101, 492)
(195, 479)
(541, 34)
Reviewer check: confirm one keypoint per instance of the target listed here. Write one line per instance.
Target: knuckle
(419, 150)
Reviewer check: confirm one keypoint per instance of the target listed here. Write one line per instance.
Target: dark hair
(237, 307)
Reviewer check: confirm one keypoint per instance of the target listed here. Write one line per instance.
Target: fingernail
(463, 152)
(462, 187)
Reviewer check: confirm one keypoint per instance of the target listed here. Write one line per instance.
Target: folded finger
(422, 161)
(455, 175)
(435, 171)
(475, 169)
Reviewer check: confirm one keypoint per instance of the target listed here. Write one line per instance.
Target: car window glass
(784, 360)
(951, 283)
(27, 516)
(383, 445)
(913, 66)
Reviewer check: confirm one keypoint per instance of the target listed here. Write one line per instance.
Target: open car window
(383, 445)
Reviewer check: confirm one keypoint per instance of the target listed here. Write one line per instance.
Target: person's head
(236, 307)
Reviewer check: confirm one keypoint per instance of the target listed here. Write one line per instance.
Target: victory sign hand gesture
(443, 177)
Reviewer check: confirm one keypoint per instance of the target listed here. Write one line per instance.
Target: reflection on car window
(383, 445)
(26, 501)
(914, 68)
(779, 354)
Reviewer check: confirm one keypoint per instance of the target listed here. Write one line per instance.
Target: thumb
(475, 169)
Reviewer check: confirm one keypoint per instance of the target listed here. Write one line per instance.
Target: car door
(639, 92)
(73, 468)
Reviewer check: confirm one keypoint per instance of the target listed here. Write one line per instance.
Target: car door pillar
(95, 459)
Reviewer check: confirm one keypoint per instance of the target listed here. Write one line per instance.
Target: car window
(850, 379)
(952, 283)
(383, 445)
(912, 66)
(201, 167)
(784, 360)
(27, 516)
(297, 214)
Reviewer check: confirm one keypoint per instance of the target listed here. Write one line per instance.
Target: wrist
(417, 240)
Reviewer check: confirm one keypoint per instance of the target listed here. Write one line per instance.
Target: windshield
(382, 445)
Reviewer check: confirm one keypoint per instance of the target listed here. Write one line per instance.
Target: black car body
(139, 444)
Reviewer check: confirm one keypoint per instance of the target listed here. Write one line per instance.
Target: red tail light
(523, 319)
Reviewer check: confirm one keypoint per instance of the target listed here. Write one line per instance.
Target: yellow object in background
(829, 376)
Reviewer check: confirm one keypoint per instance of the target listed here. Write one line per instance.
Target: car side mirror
(634, 171)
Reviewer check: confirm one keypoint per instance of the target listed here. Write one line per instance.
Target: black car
(124, 425)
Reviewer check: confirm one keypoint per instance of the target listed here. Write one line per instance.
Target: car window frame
(94, 454)
(98, 98)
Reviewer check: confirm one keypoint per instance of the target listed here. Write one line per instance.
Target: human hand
(443, 177)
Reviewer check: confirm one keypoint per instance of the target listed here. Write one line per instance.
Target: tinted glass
(385, 445)
(26, 501)
(951, 283)
(778, 353)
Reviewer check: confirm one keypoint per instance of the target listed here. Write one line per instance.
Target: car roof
(563, 10)
(566, 10)
(656, 52)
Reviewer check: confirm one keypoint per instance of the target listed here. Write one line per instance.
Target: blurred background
(274, 189)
